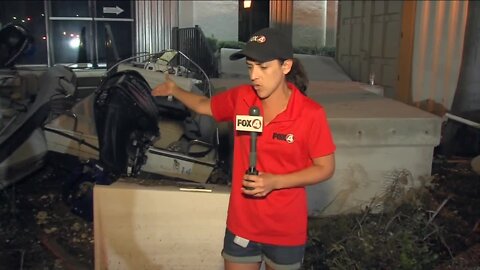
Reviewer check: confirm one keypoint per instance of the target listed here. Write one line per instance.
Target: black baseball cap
(265, 45)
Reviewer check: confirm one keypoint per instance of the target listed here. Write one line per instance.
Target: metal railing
(193, 43)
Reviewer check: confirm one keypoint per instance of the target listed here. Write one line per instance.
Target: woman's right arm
(197, 103)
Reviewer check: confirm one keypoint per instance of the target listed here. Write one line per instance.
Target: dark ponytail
(298, 76)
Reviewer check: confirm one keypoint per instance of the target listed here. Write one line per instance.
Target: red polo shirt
(287, 144)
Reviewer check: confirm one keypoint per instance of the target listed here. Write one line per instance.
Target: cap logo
(258, 39)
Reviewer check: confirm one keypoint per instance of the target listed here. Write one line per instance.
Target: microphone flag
(249, 123)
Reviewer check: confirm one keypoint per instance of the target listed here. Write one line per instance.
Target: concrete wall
(216, 18)
(309, 19)
(153, 23)
(314, 23)
(185, 14)
(368, 41)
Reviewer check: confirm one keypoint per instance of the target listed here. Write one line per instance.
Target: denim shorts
(277, 257)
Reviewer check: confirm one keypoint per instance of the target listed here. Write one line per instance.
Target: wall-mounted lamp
(247, 3)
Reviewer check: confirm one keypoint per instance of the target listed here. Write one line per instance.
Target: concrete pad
(158, 227)
(319, 68)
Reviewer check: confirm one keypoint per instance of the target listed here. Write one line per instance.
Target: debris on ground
(436, 227)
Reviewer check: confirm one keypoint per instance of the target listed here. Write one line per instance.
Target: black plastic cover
(126, 122)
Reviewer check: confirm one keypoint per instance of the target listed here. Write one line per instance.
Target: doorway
(252, 16)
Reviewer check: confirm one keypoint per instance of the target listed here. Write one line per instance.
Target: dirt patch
(435, 228)
(38, 229)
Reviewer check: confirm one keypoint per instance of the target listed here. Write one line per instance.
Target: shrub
(325, 51)
(231, 44)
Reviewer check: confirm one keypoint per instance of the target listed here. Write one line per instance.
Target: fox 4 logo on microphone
(249, 123)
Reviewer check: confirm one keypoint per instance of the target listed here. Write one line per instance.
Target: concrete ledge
(158, 226)
(361, 118)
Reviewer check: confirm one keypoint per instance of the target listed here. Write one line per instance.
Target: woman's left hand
(260, 185)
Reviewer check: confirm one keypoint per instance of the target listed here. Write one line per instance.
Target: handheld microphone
(254, 124)
(252, 170)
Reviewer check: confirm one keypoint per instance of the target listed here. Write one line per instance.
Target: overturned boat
(132, 133)
(27, 99)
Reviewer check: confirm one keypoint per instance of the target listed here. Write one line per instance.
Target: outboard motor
(126, 122)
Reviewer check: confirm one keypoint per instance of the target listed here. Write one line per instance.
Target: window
(79, 31)
(72, 32)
